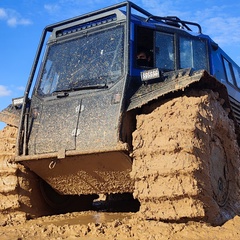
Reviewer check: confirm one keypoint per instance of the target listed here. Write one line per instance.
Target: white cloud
(13, 18)
(219, 21)
(65, 9)
(4, 91)
(224, 30)
(159, 9)
(51, 8)
(3, 13)
(21, 88)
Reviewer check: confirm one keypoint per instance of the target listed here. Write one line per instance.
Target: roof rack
(175, 21)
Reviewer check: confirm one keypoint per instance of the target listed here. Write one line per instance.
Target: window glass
(193, 53)
(237, 75)
(164, 51)
(91, 60)
(228, 70)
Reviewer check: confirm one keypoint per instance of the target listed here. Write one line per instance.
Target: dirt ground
(91, 225)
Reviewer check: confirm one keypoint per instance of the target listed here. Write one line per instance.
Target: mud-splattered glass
(87, 62)
(193, 53)
(164, 51)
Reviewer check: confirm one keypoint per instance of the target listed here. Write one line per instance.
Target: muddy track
(186, 160)
(21, 197)
(9, 204)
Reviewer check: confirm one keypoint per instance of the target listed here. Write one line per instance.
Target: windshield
(92, 60)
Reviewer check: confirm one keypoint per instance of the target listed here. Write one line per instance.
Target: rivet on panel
(75, 132)
(79, 107)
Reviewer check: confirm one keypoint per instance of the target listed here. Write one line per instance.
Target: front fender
(175, 81)
(11, 115)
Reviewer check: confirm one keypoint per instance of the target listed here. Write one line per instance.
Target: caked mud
(116, 226)
(180, 187)
(186, 160)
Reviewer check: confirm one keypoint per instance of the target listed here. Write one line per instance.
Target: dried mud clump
(186, 160)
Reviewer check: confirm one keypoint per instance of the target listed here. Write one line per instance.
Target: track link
(9, 204)
(20, 195)
(23, 195)
(186, 160)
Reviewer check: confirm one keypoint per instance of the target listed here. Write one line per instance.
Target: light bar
(17, 101)
(86, 25)
(150, 74)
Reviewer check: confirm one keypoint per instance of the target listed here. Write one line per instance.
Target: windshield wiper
(96, 86)
(61, 94)
(64, 92)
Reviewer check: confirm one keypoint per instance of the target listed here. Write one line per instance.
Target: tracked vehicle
(95, 120)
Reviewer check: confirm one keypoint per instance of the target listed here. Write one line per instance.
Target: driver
(143, 57)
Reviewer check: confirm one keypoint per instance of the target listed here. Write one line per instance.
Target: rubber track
(171, 165)
(9, 204)
(20, 195)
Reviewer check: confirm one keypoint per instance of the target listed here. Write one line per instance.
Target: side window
(144, 54)
(164, 51)
(193, 53)
(228, 70)
(49, 79)
(237, 75)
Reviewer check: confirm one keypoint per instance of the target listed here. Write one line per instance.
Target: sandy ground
(93, 225)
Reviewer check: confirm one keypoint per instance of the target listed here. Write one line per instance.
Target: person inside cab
(143, 58)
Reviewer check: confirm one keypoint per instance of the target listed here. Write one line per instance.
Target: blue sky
(22, 22)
